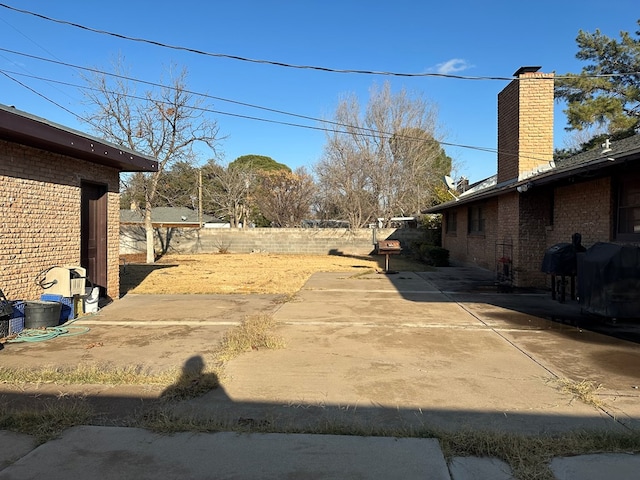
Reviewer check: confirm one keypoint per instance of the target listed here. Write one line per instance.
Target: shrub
(431, 254)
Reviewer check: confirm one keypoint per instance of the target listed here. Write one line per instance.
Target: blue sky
(489, 38)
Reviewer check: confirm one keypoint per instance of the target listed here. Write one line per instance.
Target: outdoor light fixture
(524, 187)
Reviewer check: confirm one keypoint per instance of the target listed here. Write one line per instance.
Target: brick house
(507, 222)
(59, 202)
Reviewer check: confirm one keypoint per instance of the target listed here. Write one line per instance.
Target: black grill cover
(609, 280)
(560, 259)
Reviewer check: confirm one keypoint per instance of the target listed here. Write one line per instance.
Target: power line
(43, 96)
(289, 65)
(244, 59)
(367, 132)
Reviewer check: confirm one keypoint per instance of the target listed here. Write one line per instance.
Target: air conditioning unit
(67, 281)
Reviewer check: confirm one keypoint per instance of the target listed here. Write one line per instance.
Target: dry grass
(585, 390)
(529, 456)
(46, 422)
(85, 374)
(245, 273)
(254, 333)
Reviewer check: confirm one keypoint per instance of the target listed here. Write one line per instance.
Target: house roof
(616, 153)
(26, 129)
(167, 216)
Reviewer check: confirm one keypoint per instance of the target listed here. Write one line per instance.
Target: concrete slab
(153, 332)
(116, 453)
(618, 466)
(13, 446)
(475, 468)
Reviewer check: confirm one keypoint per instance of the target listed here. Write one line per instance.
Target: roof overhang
(599, 165)
(25, 129)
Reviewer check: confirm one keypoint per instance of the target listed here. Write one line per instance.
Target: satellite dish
(449, 182)
(451, 185)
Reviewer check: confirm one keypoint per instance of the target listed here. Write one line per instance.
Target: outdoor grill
(609, 280)
(386, 248)
(561, 261)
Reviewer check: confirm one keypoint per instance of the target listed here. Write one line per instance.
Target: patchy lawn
(243, 273)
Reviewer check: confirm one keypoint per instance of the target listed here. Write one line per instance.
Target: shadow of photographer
(193, 381)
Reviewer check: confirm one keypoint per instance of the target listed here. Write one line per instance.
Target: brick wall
(310, 241)
(525, 125)
(534, 214)
(475, 249)
(40, 216)
(585, 208)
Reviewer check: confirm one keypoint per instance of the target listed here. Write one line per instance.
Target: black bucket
(39, 314)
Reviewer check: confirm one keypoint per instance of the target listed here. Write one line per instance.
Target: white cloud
(454, 65)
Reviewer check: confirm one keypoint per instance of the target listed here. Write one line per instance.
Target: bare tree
(227, 190)
(383, 163)
(284, 198)
(166, 124)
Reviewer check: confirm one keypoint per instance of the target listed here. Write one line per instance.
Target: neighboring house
(508, 221)
(59, 202)
(172, 225)
(167, 217)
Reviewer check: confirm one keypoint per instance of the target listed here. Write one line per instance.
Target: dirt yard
(243, 273)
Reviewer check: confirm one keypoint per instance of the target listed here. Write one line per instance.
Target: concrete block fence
(310, 241)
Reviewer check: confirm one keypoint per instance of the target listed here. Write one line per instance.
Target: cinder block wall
(321, 241)
(40, 216)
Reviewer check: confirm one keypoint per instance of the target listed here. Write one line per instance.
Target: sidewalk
(394, 351)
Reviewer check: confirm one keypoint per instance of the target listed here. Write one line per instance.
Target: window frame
(626, 204)
(451, 222)
(476, 220)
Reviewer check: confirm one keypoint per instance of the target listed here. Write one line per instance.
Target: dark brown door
(93, 224)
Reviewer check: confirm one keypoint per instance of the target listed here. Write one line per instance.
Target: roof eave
(544, 178)
(23, 128)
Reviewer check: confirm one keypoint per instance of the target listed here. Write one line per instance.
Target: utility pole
(200, 196)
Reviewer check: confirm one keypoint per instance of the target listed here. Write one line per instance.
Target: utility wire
(368, 132)
(43, 96)
(243, 59)
(283, 64)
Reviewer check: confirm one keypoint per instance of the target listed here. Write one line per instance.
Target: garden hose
(32, 335)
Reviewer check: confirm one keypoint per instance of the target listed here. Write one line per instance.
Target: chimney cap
(522, 70)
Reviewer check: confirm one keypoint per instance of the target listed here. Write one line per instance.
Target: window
(628, 225)
(476, 220)
(451, 222)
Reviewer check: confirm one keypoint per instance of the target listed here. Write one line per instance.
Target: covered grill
(609, 280)
(561, 261)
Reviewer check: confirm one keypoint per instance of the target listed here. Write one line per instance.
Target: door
(93, 225)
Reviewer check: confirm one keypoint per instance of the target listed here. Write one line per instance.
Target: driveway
(420, 351)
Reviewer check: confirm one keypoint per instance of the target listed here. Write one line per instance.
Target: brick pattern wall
(40, 216)
(534, 214)
(585, 208)
(508, 132)
(477, 250)
(309, 241)
(525, 125)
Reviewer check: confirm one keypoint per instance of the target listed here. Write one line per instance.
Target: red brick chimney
(525, 124)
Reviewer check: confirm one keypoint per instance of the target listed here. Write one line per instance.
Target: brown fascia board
(556, 175)
(25, 129)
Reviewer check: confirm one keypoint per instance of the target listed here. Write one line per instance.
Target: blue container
(16, 321)
(67, 311)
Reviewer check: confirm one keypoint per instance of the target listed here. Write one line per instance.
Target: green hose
(41, 335)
